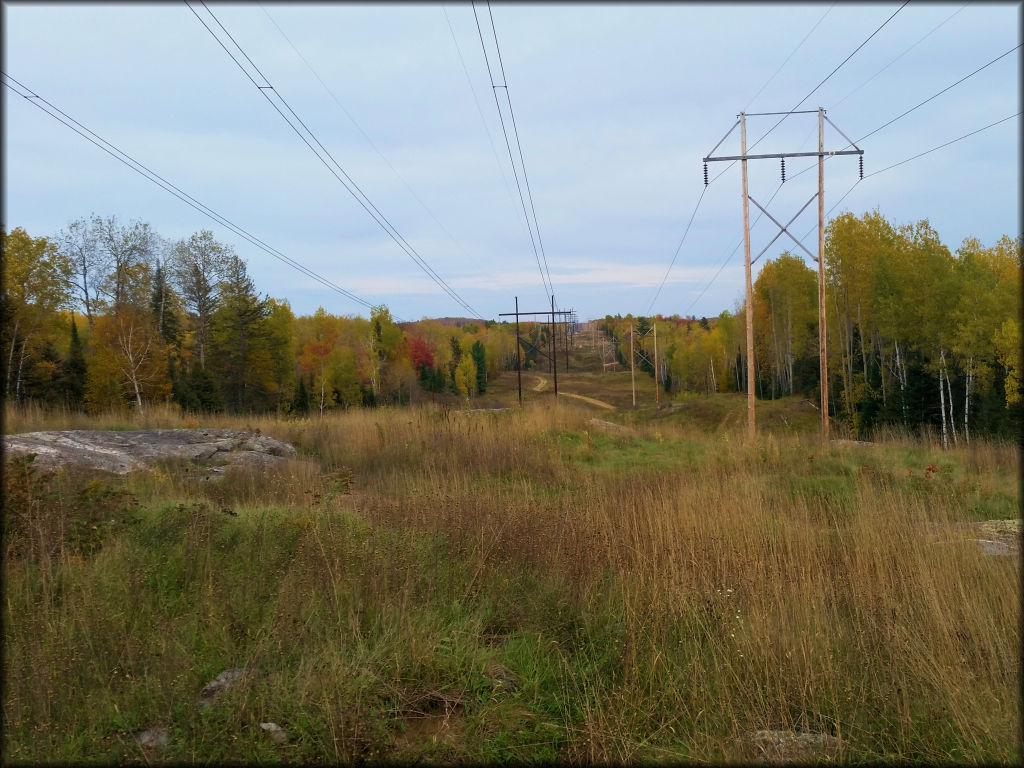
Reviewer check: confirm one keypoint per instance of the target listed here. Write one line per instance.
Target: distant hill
(456, 322)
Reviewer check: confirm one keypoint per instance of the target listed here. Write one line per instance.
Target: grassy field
(439, 585)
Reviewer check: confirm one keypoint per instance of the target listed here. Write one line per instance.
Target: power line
(905, 52)
(898, 117)
(791, 54)
(508, 144)
(515, 130)
(728, 167)
(784, 116)
(948, 87)
(828, 76)
(123, 157)
(733, 253)
(476, 100)
(678, 247)
(348, 183)
(812, 91)
(364, 134)
(721, 173)
(941, 146)
(915, 157)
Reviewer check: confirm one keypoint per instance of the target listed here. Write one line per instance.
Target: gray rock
(277, 734)
(123, 452)
(223, 682)
(153, 737)
(998, 548)
(784, 746)
(608, 425)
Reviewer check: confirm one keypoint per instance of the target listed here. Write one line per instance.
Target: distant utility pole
(657, 384)
(820, 195)
(632, 375)
(552, 355)
(653, 329)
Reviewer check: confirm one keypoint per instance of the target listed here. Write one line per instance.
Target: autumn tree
(36, 284)
(785, 319)
(129, 363)
(128, 253)
(79, 244)
(197, 267)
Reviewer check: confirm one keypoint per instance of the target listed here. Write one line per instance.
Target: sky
(615, 106)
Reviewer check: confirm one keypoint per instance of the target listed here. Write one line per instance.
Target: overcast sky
(615, 107)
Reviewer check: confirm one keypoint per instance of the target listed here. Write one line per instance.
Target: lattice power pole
(820, 195)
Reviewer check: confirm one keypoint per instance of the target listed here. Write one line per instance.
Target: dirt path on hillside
(542, 384)
(591, 400)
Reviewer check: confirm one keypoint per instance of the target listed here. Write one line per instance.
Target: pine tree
(479, 355)
(74, 371)
(300, 403)
(239, 336)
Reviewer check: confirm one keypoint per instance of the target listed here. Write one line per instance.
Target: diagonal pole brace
(782, 227)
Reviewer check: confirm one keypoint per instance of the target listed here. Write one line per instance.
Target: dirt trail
(542, 384)
(591, 400)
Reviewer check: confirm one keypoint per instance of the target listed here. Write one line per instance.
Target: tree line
(105, 314)
(916, 334)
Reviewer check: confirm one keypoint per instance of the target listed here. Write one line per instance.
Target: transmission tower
(747, 199)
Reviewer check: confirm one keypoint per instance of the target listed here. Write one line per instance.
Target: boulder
(154, 737)
(786, 746)
(277, 734)
(123, 452)
(225, 681)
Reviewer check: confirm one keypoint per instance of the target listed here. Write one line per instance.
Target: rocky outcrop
(123, 452)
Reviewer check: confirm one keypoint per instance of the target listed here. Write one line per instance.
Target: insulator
(783, 169)
(861, 159)
(705, 174)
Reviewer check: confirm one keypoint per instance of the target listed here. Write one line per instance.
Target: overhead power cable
(898, 117)
(476, 101)
(791, 54)
(545, 276)
(123, 157)
(366, 136)
(904, 53)
(811, 93)
(731, 254)
(326, 157)
(675, 255)
(941, 146)
(915, 157)
(827, 77)
(519, 145)
(784, 116)
(678, 248)
(845, 195)
(948, 87)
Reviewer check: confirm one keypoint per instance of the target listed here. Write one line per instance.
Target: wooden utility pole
(657, 387)
(632, 376)
(549, 313)
(751, 429)
(519, 363)
(554, 348)
(783, 229)
(822, 348)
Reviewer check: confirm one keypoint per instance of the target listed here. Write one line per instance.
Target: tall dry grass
(682, 588)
